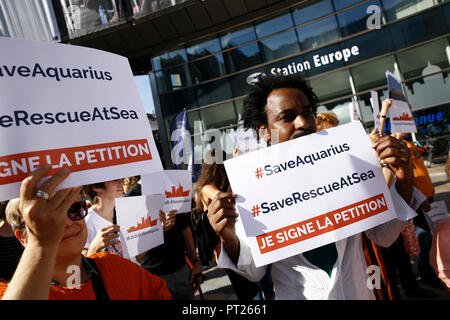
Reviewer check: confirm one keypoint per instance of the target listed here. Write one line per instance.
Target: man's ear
(21, 237)
(264, 133)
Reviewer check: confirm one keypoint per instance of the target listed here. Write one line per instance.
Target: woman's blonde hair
(325, 118)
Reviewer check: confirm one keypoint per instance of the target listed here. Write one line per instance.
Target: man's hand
(222, 217)
(395, 154)
(107, 236)
(167, 219)
(45, 220)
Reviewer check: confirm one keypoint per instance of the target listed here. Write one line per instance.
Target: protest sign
(376, 109)
(307, 192)
(400, 113)
(438, 211)
(73, 107)
(354, 116)
(140, 228)
(175, 185)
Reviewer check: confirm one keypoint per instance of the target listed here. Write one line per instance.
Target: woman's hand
(107, 236)
(45, 220)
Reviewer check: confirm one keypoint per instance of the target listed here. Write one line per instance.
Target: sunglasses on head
(77, 211)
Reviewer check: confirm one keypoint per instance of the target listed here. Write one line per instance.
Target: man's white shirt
(295, 278)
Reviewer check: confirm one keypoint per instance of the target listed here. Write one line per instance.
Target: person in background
(211, 181)
(10, 248)
(326, 120)
(103, 231)
(51, 227)
(129, 182)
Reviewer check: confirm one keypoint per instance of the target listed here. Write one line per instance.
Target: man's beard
(303, 133)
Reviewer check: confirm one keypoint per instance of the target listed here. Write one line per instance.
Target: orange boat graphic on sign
(179, 192)
(403, 117)
(145, 223)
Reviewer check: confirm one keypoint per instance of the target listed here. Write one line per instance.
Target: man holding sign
(287, 106)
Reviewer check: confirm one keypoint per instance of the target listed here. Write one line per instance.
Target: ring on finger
(42, 194)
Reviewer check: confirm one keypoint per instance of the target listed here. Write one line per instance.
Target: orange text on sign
(324, 223)
(14, 168)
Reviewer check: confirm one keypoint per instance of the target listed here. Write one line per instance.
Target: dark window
(341, 4)
(372, 74)
(174, 102)
(236, 37)
(447, 15)
(355, 20)
(238, 83)
(318, 33)
(304, 13)
(397, 9)
(242, 58)
(220, 115)
(274, 25)
(370, 45)
(169, 59)
(208, 68)
(428, 58)
(279, 46)
(212, 92)
(331, 85)
(418, 28)
(173, 78)
(203, 49)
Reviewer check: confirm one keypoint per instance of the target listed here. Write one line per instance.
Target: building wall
(209, 77)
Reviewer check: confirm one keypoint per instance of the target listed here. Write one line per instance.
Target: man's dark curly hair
(254, 114)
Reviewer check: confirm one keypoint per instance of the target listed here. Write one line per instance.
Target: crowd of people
(45, 233)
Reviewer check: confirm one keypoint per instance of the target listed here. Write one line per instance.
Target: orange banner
(14, 168)
(324, 223)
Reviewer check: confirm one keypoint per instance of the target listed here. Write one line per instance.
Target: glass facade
(329, 43)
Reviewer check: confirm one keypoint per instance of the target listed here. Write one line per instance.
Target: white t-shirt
(95, 222)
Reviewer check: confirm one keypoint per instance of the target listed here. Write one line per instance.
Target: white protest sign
(438, 211)
(308, 192)
(354, 116)
(140, 228)
(175, 185)
(400, 114)
(73, 107)
(376, 109)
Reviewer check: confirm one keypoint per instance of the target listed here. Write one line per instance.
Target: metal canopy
(175, 26)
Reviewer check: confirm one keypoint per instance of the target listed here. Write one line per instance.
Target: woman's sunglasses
(77, 211)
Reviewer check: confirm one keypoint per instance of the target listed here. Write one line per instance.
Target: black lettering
(75, 119)
(96, 114)
(268, 170)
(124, 114)
(76, 73)
(329, 189)
(318, 157)
(101, 75)
(49, 118)
(61, 72)
(108, 76)
(105, 113)
(363, 176)
(10, 72)
(356, 178)
(90, 72)
(313, 194)
(24, 71)
(58, 119)
(6, 121)
(335, 186)
(21, 115)
(85, 71)
(85, 116)
(36, 118)
(296, 196)
(299, 161)
(115, 114)
(133, 114)
(54, 73)
(371, 174)
(305, 196)
(264, 208)
(37, 69)
(320, 194)
(346, 147)
(343, 183)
